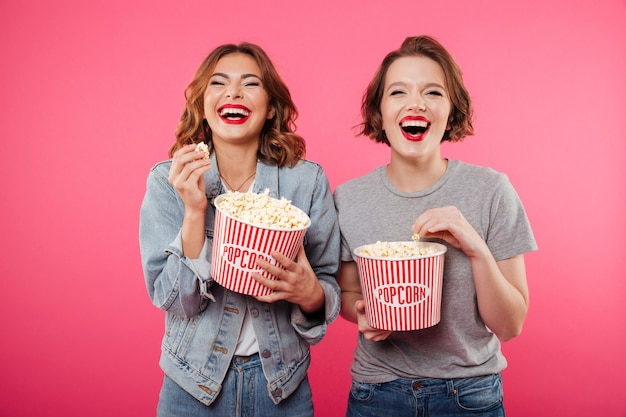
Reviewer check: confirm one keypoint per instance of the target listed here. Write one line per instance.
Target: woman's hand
(501, 288)
(369, 332)
(296, 283)
(449, 224)
(187, 177)
(352, 304)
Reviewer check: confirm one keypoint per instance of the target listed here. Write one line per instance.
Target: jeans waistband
(242, 362)
(433, 385)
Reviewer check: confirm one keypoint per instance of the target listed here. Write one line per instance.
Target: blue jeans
(244, 394)
(478, 396)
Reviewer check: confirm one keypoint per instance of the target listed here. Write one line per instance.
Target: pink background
(91, 92)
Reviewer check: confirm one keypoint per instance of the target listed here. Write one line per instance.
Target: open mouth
(234, 114)
(414, 128)
(231, 113)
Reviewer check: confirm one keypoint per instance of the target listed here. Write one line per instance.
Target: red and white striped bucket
(402, 294)
(238, 244)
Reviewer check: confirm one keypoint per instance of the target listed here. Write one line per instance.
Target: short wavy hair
(462, 113)
(279, 143)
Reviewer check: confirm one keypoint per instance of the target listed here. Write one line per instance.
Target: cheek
(207, 107)
(211, 97)
(210, 109)
(262, 102)
(443, 112)
(388, 115)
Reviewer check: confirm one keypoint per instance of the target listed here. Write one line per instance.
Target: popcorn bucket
(402, 293)
(238, 244)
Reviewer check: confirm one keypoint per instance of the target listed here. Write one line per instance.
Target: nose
(417, 103)
(234, 90)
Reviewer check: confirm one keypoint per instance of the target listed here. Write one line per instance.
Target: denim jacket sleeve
(322, 249)
(174, 282)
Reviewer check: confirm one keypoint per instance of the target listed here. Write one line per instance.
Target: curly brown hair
(279, 143)
(462, 112)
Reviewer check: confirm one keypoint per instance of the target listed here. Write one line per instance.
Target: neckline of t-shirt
(452, 165)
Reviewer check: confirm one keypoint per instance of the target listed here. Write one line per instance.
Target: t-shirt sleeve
(346, 253)
(509, 232)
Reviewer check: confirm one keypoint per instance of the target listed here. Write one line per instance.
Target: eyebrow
(243, 76)
(403, 84)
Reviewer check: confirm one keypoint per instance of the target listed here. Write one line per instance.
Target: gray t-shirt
(460, 345)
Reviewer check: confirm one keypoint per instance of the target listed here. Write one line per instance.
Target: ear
(271, 113)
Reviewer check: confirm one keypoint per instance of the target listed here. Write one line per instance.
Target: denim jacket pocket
(178, 333)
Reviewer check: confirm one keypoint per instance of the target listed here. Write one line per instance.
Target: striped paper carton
(402, 294)
(238, 244)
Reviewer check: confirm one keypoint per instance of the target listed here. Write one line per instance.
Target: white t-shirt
(246, 344)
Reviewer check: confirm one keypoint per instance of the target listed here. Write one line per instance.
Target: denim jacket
(203, 319)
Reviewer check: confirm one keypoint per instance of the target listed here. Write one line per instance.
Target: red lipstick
(234, 114)
(414, 128)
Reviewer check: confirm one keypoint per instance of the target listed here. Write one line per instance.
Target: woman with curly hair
(225, 353)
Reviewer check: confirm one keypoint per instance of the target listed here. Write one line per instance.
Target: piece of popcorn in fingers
(203, 147)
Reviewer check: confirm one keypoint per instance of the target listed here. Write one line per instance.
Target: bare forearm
(348, 310)
(502, 295)
(193, 233)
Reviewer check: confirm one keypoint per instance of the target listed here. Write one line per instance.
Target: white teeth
(416, 123)
(233, 110)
